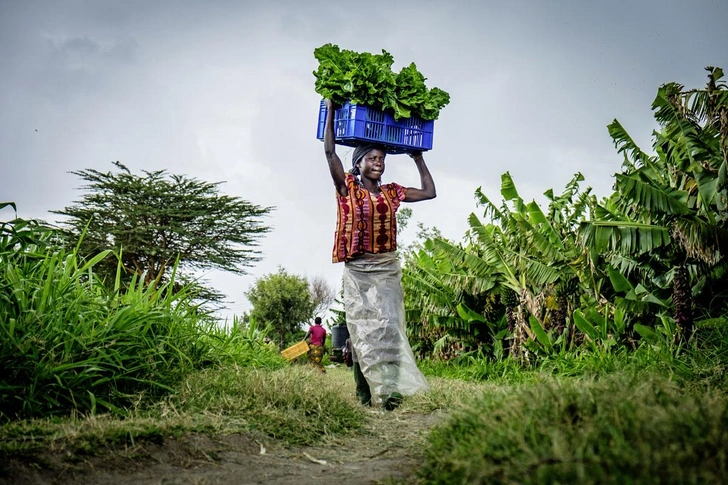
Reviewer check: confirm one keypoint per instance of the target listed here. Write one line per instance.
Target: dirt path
(390, 445)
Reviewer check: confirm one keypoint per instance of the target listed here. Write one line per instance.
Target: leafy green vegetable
(365, 78)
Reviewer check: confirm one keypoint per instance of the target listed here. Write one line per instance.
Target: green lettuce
(365, 78)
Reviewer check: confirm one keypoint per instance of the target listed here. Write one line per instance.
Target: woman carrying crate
(366, 241)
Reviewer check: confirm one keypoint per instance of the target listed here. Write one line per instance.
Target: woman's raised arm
(335, 166)
(427, 190)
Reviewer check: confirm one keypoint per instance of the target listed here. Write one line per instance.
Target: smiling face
(371, 166)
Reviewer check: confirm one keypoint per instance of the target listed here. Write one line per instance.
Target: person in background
(346, 355)
(366, 241)
(316, 337)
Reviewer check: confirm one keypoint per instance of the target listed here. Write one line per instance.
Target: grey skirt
(374, 305)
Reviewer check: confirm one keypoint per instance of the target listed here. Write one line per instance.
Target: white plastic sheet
(374, 305)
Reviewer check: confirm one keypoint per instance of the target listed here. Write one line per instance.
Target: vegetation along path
(387, 447)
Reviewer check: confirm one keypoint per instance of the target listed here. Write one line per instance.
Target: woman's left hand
(415, 155)
(427, 190)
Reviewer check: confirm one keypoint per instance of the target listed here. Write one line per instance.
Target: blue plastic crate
(354, 124)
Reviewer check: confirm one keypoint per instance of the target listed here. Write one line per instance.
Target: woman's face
(371, 165)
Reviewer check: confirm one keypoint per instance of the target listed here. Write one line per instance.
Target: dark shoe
(364, 400)
(392, 402)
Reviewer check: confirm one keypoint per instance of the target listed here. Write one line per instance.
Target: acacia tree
(282, 301)
(158, 219)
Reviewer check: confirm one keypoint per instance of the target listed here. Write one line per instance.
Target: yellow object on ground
(295, 350)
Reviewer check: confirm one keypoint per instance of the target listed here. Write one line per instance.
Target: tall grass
(700, 362)
(70, 343)
(475, 366)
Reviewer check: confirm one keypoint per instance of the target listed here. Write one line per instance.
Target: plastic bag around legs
(374, 305)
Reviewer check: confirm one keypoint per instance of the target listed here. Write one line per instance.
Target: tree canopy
(157, 219)
(282, 301)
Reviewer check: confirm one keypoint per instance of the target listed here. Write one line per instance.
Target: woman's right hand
(330, 104)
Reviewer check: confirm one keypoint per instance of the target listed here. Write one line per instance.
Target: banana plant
(667, 218)
(602, 329)
(523, 251)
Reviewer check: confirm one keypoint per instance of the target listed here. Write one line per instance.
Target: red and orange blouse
(366, 222)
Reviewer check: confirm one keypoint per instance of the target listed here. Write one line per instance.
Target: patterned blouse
(365, 222)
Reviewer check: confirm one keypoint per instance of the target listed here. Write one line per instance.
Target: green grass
(658, 414)
(618, 429)
(700, 362)
(88, 368)
(476, 368)
(295, 405)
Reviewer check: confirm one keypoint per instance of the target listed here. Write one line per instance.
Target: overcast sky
(224, 91)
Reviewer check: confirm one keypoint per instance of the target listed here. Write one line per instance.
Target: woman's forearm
(335, 166)
(329, 138)
(427, 184)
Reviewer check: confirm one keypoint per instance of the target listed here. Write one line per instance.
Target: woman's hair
(360, 152)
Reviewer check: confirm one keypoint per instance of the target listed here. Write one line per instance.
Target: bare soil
(389, 447)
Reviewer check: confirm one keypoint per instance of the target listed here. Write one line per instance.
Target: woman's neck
(371, 185)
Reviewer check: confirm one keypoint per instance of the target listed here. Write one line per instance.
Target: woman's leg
(363, 393)
(315, 355)
(375, 317)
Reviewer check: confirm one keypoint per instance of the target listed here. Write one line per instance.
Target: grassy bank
(72, 343)
(655, 415)
(618, 429)
(292, 406)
